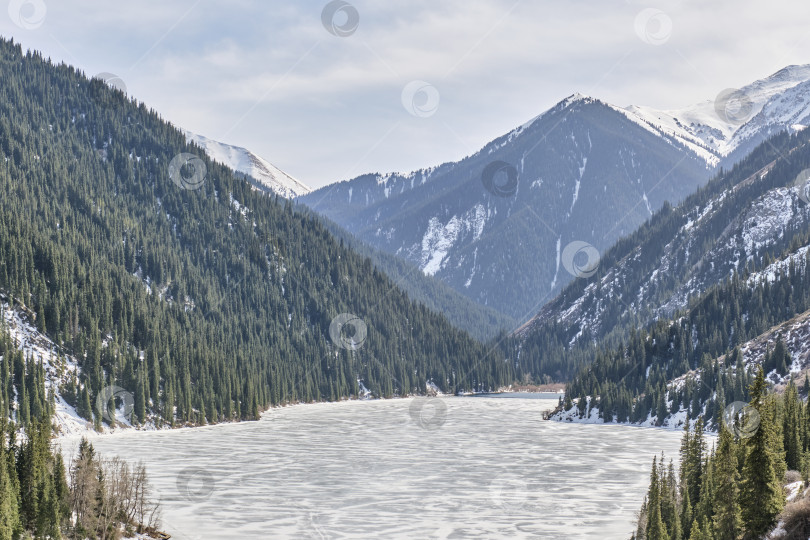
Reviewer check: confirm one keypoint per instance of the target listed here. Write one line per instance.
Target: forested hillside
(206, 300)
(479, 321)
(632, 382)
(753, 478)
(738, 224)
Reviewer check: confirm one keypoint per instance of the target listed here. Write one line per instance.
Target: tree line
(737, 489)
(206, 305)
(632, 382)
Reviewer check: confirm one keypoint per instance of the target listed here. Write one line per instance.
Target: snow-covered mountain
(724, 129)
(499, 226)
(266, 175)
(752, 215)
(579, 176)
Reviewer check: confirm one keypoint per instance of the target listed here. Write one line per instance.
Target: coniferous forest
(206, 304)
(149, 268)
(738, 487)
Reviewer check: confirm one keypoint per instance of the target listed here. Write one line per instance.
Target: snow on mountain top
(244, 161)
(703, 125)
(714, 128)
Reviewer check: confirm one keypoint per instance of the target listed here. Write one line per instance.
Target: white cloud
(267, 75)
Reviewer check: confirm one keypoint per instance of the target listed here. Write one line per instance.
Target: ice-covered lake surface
(458, 467)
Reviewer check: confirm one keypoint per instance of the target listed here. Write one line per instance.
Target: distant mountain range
(512, 224)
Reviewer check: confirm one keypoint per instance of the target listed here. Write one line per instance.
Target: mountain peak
(576, 97)
(798, 72)
(246, 162)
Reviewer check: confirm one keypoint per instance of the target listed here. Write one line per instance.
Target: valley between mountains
(654, 264)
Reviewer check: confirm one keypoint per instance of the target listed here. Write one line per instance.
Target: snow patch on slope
(246, 162)
(440, 238)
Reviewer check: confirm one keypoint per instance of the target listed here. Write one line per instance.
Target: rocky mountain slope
(495, 226)
(753, 213)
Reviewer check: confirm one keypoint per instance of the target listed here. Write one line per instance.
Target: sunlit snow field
(385, 469)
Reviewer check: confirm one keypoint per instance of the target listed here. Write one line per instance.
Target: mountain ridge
(442, 219)
(265, 175)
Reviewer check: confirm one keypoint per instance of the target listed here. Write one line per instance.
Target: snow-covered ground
(59, 367)
(447, 467)
(672, 422)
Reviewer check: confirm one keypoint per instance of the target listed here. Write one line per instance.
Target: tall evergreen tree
(761, 497)
(791, 431)
(656, 530)
(727, 517)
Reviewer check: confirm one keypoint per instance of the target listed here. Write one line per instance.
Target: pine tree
(655, 524)
(791, 431)
(9, 511)
(85, 410)
(140, 402)
(693, 466)
(701, 530)
(670, 503)
(704, 510)
(761, 497)
(727, 518)
(686, 512)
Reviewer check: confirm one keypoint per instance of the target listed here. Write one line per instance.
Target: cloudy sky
(397, 85)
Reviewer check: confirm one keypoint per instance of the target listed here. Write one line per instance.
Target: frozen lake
(477, 467)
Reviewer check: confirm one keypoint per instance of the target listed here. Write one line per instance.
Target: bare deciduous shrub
(109, 495)
(792, 476)
(796, 518)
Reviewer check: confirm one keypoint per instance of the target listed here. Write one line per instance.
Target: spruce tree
(686, 512)
(139, 416)
(727, 519)
(695, 454)
(791, 431)
(656, 530)
(9, 512)
(761, 497)
(669, 503)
